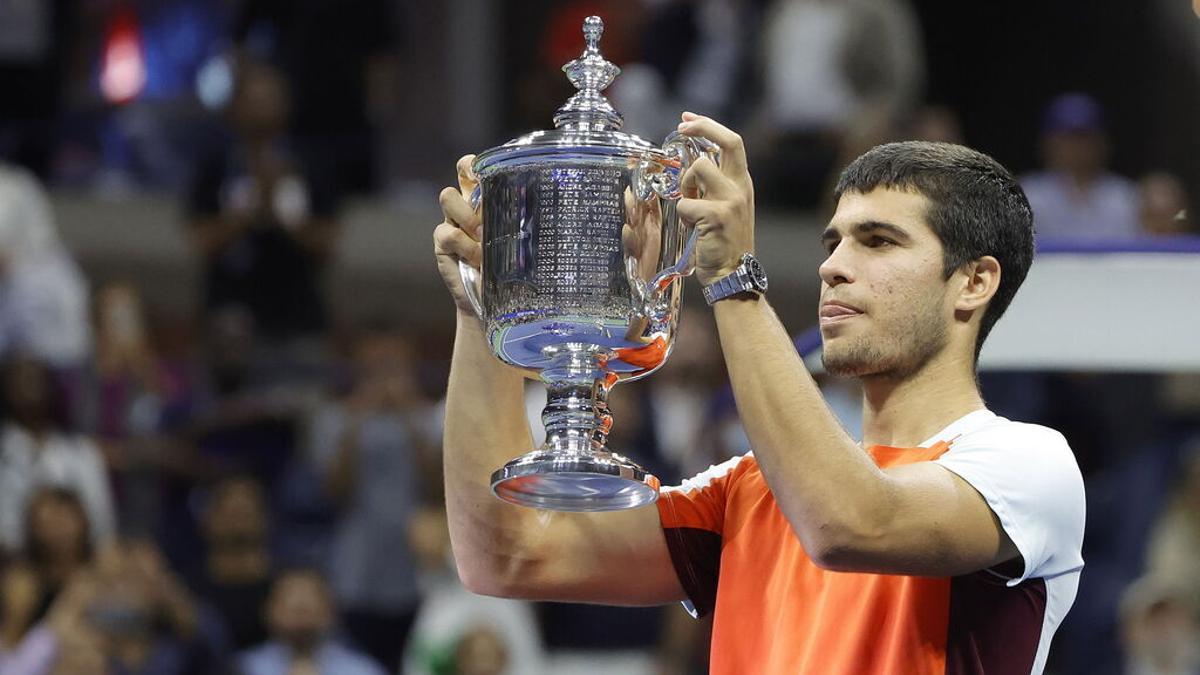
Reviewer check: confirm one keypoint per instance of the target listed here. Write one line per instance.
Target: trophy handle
(682, 151)
(470, 275)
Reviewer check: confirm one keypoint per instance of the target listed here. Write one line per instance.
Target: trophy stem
(576, 416)
(573, 470)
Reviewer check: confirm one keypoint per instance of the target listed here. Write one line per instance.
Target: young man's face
(885, 306)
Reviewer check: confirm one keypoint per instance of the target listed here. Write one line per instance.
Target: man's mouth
(833, 312)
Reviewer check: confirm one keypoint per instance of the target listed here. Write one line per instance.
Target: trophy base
(599, 481)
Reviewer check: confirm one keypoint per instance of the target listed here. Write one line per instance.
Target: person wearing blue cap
(1077, 196)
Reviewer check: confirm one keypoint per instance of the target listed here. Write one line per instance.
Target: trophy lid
(586, 124)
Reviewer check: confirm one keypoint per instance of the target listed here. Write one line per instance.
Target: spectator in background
(247, 416)
(57, 548)
(339, 61)
(133, 396)
(121, 611)
(126, 372)
(301, 615)
(43, 295)
(1160, 630)
(63, 643)
(1174, 546)
(695, 56)
(1163, 205)
(1077, 196)
(838, 77)
(376, 466)
(147, 621)
(263, 224)
(37, 450)
(235, 577)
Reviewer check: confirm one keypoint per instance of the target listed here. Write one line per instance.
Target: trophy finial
(590, 73)
(593, 28)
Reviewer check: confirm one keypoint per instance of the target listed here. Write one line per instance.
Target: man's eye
(878, 242)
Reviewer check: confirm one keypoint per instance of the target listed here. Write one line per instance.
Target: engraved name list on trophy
(580, 214)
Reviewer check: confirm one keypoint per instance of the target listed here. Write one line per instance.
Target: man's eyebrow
(831, 233)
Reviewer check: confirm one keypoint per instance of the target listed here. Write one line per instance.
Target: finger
(703, 178)
(629, 240)
(696, 211)
(631, 208)
(733, 150)
(458, 212)
(449, 240)
(466, 177)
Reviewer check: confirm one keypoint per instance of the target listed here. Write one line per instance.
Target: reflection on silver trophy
(583, 259)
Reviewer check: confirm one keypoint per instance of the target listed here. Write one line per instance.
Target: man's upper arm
(1001, 494)
(939, 525)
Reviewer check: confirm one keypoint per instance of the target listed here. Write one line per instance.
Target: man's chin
(844, 367)
(848, 362)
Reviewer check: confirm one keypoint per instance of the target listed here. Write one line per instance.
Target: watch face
(758, 276)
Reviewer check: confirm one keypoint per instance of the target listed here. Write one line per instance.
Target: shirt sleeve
(1031, 481)
(35, 654)
(693, 518)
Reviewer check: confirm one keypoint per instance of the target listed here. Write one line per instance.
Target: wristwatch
(749, 276)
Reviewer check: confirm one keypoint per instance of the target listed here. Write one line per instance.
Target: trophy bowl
(581, 282)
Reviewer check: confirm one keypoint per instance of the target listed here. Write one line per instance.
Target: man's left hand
(719, 201)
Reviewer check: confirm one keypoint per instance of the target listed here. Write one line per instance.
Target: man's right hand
(458, 236)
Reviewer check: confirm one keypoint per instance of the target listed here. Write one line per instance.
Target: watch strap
(730, 284)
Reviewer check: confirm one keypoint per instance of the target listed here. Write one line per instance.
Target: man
(44, 297)
(234, 575)
(263, 223)
(370, 453)
(1077, 196)
(948, 542)
(300, 612)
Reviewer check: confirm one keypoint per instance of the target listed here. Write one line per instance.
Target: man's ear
(981, 280)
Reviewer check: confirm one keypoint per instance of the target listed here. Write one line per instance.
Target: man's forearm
(824, 483)
(485, 427)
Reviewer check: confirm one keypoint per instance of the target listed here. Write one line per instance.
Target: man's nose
(837, 268)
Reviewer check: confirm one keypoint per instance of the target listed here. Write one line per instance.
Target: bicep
(937, 525)
(618, 558)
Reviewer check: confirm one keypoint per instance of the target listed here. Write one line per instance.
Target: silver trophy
(581, 281)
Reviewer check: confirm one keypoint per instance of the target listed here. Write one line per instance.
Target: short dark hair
(976, 208)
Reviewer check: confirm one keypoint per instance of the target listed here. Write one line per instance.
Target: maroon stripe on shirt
(696, 555)
(994, 629)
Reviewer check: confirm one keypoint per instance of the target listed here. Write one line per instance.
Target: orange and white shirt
(777, 612)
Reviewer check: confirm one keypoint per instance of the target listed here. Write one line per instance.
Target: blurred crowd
(256, 489)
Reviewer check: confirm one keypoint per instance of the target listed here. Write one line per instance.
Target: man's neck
(904, 412)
